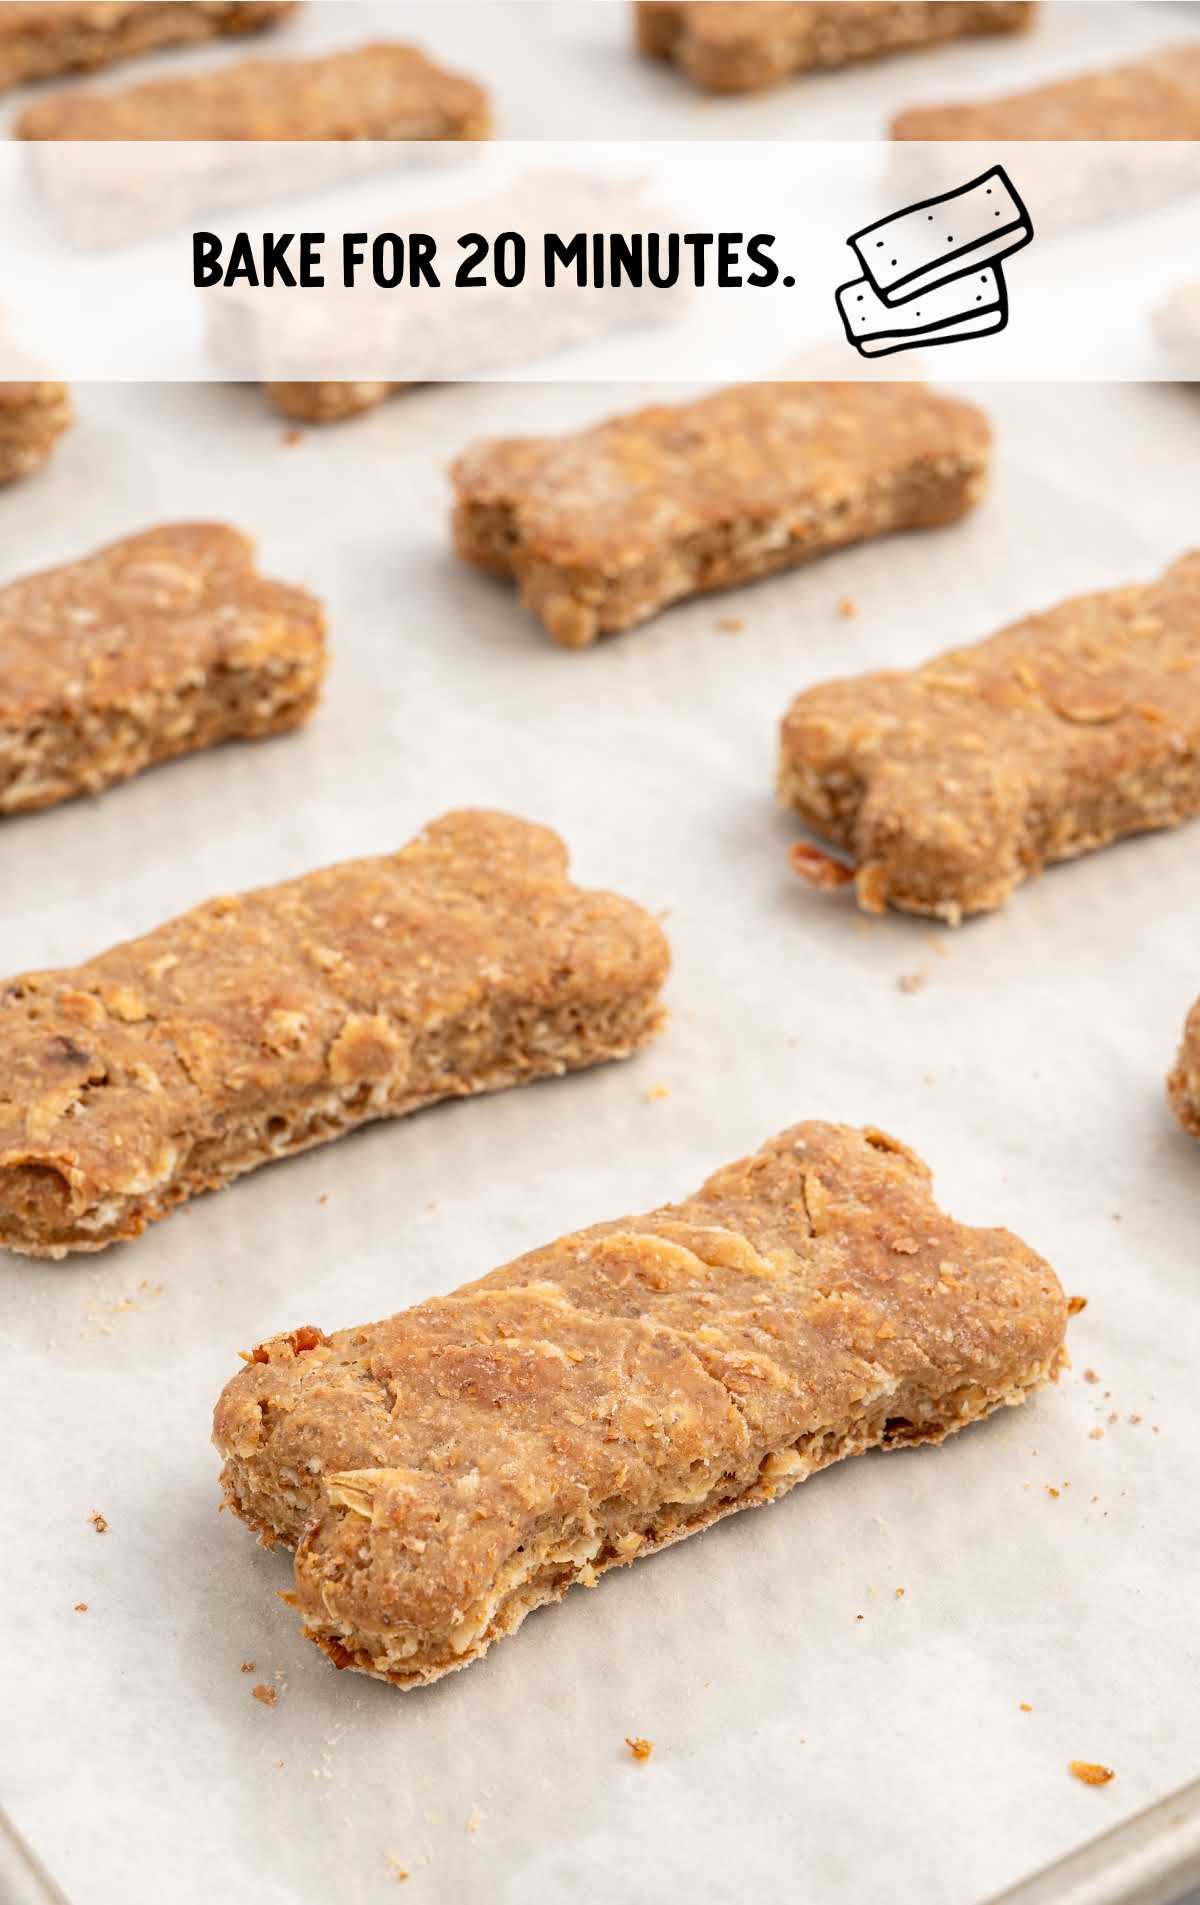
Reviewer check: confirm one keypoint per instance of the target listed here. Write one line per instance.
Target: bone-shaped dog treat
(383, 91)
(1184, 1082)
(39, 40)
(603, 528)
(950, 784)
(1157, 98)
(738, 46)
(256, 1026)
(32, 418)
(444, 1472)
(161, 644)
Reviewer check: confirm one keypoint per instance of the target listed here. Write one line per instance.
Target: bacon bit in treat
(640, 1749)
(1075, 1304)
(266, 1696)
(81, 1607)
(247, 1666)
(98, 1522)
(1090, 1772)
(1025, 1707)
(819, 869)
(847, 608)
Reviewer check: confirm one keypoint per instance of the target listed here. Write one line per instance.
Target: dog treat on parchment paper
(384, 91)
(257, 1025)
(333, 352)
(328, 402)
(738, 46)
(602, 528)
(444, 1472)
(1156, 97)
(42, 38)
(155, 646)
(32, 418)
(947, 785)
(338, 116)
(1184, 1083)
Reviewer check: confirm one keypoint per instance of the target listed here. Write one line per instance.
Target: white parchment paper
(816, 1734)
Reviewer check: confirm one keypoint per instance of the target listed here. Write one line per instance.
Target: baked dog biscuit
(41, 38)
(603, 528)
(384, 91)
(156, 646)
(444, 1472)
(948, 785)
(740, 46)
(1184, 1082)
(1156, 98)
(256, 1026)
(32, 418)
(328, 402)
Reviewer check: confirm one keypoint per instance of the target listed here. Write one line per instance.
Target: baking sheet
(800, 1750)
(794, 1740)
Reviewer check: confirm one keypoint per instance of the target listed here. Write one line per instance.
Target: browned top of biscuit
(1153, 98)
(638, 1361)
(719, 24)
(138, 616)
(116, 1068)
(382, 91)
(967, 768)
(611, 496)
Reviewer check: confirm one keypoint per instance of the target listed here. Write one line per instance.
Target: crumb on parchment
(266, 1696)
(1090, 1772)
(98, 1521)
(639, 1749)
(731, 624)
(1075, 1304)
(1025, 1707)
(655, 1092)
(912, 981)
(1090, 1375)
(1096, 1435)
(81, 1607)
(847, 608)
(247, 1666)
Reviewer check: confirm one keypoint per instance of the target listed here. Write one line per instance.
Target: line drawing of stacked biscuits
(932, 273)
